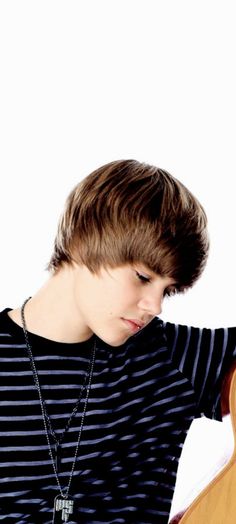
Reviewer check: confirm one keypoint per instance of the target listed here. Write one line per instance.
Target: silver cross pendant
(63, 509)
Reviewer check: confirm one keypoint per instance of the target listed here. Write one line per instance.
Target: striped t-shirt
(143, 397)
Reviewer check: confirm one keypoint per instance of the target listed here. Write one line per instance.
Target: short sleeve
(203, 356)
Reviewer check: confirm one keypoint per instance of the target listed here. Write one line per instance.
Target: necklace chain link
(46, 419)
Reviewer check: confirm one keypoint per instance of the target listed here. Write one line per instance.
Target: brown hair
(129, 212)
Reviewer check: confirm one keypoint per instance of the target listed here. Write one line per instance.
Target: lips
(138, 323)
(134, 324)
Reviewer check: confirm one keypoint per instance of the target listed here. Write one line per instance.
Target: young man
(97, 393)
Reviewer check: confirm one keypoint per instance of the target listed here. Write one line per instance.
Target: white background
(84, 83)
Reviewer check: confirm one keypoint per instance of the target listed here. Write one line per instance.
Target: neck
(53, 312)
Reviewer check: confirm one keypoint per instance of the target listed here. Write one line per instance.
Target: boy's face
(108, 303)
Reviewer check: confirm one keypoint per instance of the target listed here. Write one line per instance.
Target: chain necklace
(63, 503)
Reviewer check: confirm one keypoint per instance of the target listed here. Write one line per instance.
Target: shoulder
(8, 328)
(4, 325)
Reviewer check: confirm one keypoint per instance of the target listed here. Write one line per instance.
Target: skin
(74, 304)
(177, 518)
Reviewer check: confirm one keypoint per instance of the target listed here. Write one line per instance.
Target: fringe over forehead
(127, 212)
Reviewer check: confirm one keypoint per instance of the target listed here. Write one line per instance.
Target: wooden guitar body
(216, 504)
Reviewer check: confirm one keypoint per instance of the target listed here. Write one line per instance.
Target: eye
(170, 291)
(143, 279)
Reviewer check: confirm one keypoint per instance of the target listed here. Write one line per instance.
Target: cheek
(110, 297)
(112, 303)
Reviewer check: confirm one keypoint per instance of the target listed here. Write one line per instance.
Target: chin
(119, 341)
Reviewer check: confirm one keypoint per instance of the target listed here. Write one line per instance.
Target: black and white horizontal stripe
(143, 397)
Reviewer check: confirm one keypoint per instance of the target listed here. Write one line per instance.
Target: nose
(152, 304)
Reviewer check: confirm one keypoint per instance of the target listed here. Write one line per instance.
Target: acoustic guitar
(216, 504)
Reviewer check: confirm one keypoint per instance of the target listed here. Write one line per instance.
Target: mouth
(133, 325)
